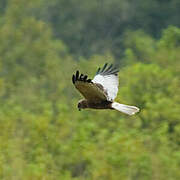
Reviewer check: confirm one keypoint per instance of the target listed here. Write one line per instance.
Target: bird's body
(94, 105)
(100, 92)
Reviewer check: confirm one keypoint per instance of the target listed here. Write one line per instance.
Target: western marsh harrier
(100, 92)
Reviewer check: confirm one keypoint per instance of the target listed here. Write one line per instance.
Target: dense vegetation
(43, 135)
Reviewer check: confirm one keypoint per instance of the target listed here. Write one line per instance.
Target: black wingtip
(98, 70)
(104, 67)
(109, 68)
(113, 70)
(85, 77)
(81, 77)
(77, 75)
(89, 81)
(73, 79)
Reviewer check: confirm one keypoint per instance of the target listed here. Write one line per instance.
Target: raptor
(100, 92)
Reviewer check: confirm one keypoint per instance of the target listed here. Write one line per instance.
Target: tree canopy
(42, 133)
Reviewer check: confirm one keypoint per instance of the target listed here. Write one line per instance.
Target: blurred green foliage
(43, 135)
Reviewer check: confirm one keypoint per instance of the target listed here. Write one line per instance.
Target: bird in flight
(100, 92)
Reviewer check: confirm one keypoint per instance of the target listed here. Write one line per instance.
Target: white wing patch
(110, 84)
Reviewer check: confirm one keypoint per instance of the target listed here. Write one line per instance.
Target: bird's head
(82, 104)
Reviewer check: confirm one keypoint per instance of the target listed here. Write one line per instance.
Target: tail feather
(130, 110)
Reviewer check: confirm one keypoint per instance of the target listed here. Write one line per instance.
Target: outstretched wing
(108, 78)
(91, 91)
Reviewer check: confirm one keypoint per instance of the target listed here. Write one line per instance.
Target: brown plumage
(100, 92)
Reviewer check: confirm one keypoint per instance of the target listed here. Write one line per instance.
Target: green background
(43, 136)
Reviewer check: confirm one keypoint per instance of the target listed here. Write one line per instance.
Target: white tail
(130, 110)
